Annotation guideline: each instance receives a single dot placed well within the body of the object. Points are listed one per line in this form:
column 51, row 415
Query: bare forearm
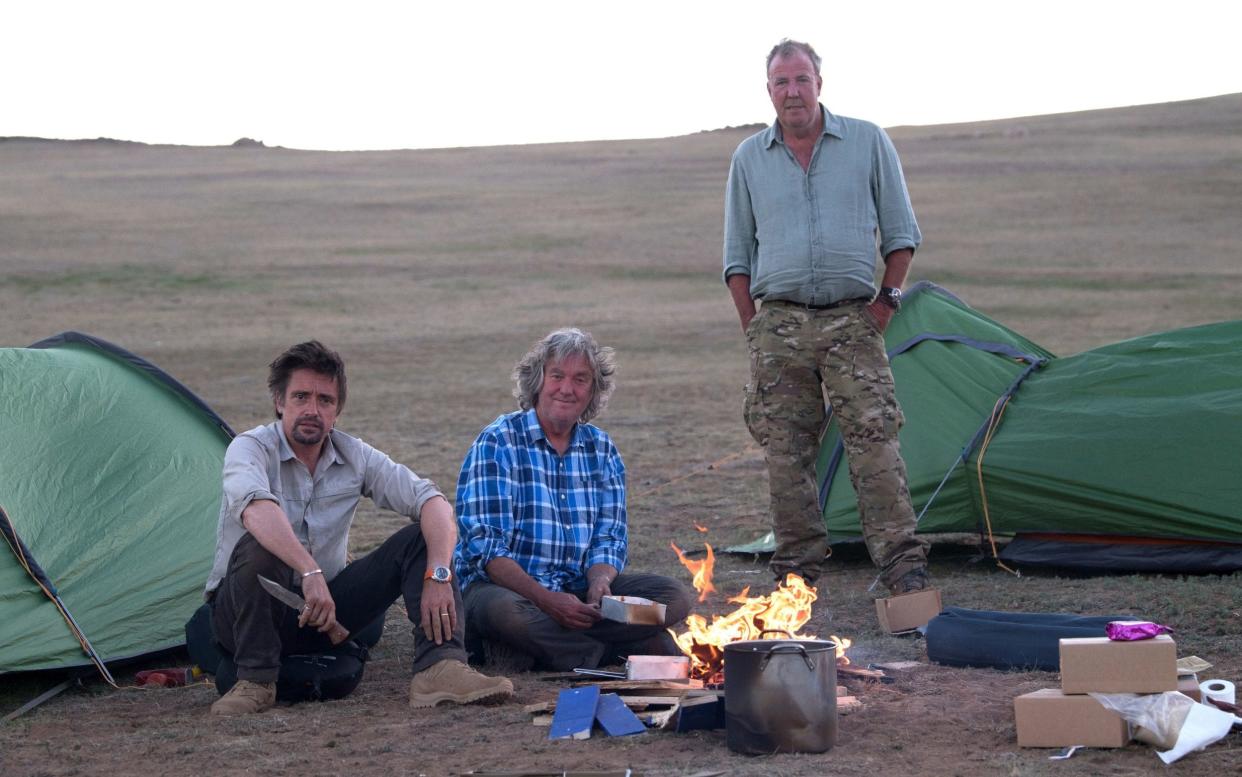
column 270, row 527
column 508, row 573
column 599, row 582
column 565, row 608
column 439, row 531
column 739, row 289
column 896, row 267
column 605, row 572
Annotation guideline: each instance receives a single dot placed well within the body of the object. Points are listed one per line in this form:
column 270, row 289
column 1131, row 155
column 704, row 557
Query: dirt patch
column 933, row 719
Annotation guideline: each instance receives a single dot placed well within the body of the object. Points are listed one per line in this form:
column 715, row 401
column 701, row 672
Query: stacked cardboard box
column 1065, row 716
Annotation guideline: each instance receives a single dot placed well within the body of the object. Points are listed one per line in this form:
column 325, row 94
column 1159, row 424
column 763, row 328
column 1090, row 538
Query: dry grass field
column 433, row 271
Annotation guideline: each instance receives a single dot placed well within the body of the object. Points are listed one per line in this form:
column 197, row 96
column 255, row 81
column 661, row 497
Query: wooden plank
column 575, row 713
column 636, row 703
column 650, row 687
column 702, row 692
column 859, row 672
column 649, row 701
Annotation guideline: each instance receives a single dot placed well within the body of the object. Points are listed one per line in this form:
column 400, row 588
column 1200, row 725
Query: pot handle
column 788, row 647
column 776, row 631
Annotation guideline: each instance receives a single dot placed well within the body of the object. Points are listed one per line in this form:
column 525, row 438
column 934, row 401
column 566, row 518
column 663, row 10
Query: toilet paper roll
column 1220, row 690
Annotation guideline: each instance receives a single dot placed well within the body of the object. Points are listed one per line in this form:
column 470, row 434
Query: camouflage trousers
column 793, row 352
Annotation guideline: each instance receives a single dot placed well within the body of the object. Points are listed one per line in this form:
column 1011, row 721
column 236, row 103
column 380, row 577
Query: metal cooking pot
column 780, row 696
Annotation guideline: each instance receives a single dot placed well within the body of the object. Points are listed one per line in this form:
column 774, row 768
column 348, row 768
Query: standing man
column 807, row 201
column 290, row 491
column 541, row 511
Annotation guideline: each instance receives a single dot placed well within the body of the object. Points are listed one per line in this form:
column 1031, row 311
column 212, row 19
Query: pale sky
column 365, row 74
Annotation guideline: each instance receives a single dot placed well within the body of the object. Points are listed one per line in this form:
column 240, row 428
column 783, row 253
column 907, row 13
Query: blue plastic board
column 615, row 718
column 575, row 713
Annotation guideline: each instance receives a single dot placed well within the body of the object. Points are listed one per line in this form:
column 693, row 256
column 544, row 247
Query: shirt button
column 562, row 496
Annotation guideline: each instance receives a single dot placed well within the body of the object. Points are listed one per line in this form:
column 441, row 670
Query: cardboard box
column 1189, row 685
column 657, row 668
column 632, row 609
column 906, row 612
column 1098, row 664
column 1050, row 718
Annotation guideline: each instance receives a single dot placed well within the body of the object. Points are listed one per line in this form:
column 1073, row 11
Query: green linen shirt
column 811, row 236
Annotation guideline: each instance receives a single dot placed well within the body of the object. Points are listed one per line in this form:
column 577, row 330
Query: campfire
column 787, row 609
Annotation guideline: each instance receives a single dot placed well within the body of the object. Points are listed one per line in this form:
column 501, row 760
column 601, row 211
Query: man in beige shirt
column 290, row 492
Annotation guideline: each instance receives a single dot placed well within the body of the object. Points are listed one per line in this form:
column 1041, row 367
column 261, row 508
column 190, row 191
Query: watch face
column 441, row 574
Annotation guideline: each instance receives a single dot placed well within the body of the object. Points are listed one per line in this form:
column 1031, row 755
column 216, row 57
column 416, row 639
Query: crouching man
column 290, row 491
column 541, row 514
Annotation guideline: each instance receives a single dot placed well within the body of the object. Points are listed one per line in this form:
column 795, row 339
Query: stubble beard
column 314, row 437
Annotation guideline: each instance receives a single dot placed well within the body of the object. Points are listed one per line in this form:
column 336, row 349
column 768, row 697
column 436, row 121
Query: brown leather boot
column 246, row 698
column 453, row 681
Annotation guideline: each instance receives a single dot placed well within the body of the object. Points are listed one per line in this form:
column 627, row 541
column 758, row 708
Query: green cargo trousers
column 793, row 351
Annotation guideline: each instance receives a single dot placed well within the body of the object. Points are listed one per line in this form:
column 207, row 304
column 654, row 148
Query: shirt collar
column 832, row 126
column 536, row 432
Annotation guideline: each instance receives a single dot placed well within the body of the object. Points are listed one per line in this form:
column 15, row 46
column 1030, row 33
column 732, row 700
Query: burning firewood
column 787, row 610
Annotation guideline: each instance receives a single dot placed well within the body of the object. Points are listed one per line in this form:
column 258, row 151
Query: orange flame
column 701, row 570
column 700, row 527
column 787, row 609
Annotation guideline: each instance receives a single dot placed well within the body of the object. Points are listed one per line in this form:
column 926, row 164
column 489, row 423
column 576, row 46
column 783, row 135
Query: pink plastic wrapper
column 1120, row 631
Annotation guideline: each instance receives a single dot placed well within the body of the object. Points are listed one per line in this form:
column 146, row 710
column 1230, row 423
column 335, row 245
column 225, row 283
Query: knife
column 337, row 635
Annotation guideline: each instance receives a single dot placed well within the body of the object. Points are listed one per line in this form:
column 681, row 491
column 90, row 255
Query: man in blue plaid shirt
column 542, row 526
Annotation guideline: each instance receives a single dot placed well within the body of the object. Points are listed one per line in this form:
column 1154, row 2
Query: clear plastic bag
column 1172, row 721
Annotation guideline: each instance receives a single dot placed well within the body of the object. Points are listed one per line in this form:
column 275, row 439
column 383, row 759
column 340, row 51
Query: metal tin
column 780, row 696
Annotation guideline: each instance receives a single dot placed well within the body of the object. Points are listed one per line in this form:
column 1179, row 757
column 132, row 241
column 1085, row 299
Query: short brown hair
column 311, row 355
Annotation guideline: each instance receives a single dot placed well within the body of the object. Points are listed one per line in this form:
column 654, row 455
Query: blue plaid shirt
column 554, row 515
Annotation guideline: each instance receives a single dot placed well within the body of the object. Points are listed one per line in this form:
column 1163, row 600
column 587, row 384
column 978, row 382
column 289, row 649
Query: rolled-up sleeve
column 245, row 477
column 484, row 506
column 740, row 245
column 609, row 539
column 894, row 213
column 394, row 486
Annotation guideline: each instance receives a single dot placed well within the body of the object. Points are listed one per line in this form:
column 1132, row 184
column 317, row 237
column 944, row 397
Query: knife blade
column 337, row 635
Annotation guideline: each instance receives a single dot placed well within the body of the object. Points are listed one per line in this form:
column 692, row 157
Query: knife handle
column 338, row 634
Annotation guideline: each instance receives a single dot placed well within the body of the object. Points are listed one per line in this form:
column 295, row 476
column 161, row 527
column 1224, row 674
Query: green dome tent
column 109, row 492
column 1118, row 458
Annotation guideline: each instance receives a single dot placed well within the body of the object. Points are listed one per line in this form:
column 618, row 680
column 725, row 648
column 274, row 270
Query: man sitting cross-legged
column 542, row 522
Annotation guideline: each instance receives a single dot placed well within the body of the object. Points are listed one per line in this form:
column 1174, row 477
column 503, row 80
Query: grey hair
column 555, row 347
column 787, row 47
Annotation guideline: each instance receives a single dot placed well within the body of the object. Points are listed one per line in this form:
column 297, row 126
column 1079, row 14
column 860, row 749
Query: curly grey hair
column 555, row 347
column 787, row 47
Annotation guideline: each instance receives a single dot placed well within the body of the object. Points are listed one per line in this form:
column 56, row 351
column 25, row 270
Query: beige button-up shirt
column 259, row 464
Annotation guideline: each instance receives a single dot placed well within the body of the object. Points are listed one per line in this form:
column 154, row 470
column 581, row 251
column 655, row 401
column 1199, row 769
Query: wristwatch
column 438, row 574
column 890, row 296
